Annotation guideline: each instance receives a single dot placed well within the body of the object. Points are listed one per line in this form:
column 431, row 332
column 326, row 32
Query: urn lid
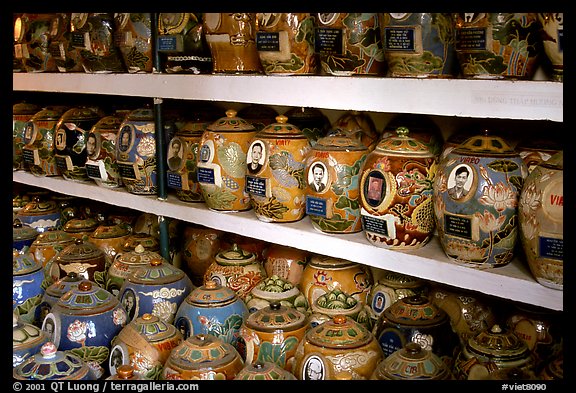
column 421, row 127
column 110, row 123
column 339, row 332
column 258, row 115
column 39, row 206
column 261, row 370
column 230, row 123
column 192, row 128
column 125, row 372
column 412, row 362
column 359, row 123
column 399, row 280
column 80, row 251
column 53, row 236
column 86, row 296
column 80, row 114
column 23, row 232
column 336, row 301
column 498, row 344
column 146, row 240
column 212, row 294
column 138, row 256
column 23, row 262
column 415, row 310
column 149, row 326
column 140, row 114
column 281, row 129
column 274, row 287
column 63, row 285
column 25, row 108
column 157, row 272
column 76, row 225
column 337, row 140
column 554, row 162
column 236, row 256
column 109, row 230
column 25, row 335
column 51, row 364
column 276, row 317
column 48, row 113
column 326, row 262
column 403, row 144
column 486, row 144
column 203, row 351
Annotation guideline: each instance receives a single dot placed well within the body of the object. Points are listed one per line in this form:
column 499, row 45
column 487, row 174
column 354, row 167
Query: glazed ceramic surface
column 136, row 152
column 489, row 351
column 336, row 302
column 421, row 127
column 156, row 289
column 416, row 319
column 340, row 349
column 27, row 290
column 272, row 333
column 419, row 45
column 323, row 274
column 358, row 125
column 182, row 161
column 285, row 43
column 203, row 357
column 285, row 262
column 222, row 163
column 553, row 42
column 22, row 112
column 93, row 34
column 396, row 193
column 27, row 339
column 84, row 258
column 311, row 121
column 71, row 141
column 125, row 264
column 275, row 172
column 237, row 269
column 469, row 313
column 52, row 364
column 231, row 38
column 212, row 309
column 412, row 362
column 84, row 321
column 476, row 195
column 32, row 40
column 274, row 289
column 144, row 344
column 22, row 235
column 81, row 227
column 498, row 45
column 182, row 44
column 541, row 219
column 332, row 201
column 133, row 36
column 125, row 372
column 201, row 244
column 66, row 56
column 41, row 214
column 39, row 150
column 109, row 237
column 263, row 371
column 101, row 158
column 390, row 287
column 349, row 43
column 55, row 291
column 49, row 243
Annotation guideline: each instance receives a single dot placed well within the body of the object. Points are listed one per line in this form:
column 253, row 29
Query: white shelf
column 511, row 282
column 503, row 99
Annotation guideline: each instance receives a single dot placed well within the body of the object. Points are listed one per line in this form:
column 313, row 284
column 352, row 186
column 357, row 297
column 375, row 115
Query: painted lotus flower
column 78, row 331
column 499, row 196
column 488, row 222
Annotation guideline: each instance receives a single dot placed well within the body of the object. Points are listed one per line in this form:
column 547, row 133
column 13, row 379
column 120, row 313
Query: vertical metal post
column 160, row 146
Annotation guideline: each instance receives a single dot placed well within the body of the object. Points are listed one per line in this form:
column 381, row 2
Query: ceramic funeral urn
column 476, row 195
column 396, row 193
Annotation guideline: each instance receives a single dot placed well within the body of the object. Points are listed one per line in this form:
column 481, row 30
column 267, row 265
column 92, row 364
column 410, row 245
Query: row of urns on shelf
column 290, row 312
column 397, row 189
column 474, row 45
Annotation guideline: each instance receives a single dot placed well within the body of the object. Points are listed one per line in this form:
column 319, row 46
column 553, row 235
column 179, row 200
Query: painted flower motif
column 165, row 310
column 141, row 363
column 77, row 332
column 530, row 201
column 489, row 223
column 146, row 146
column 321, row 278
column 466, row 251
column 119, row 316
column 499, row 196
column 383, row 163
column 424, row 340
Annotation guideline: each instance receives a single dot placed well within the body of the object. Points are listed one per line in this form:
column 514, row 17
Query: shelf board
column 512, row 282
column 503, row 99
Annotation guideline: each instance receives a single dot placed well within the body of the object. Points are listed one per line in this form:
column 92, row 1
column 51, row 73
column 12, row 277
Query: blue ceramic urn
column 27, row 340
column 27, row 291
